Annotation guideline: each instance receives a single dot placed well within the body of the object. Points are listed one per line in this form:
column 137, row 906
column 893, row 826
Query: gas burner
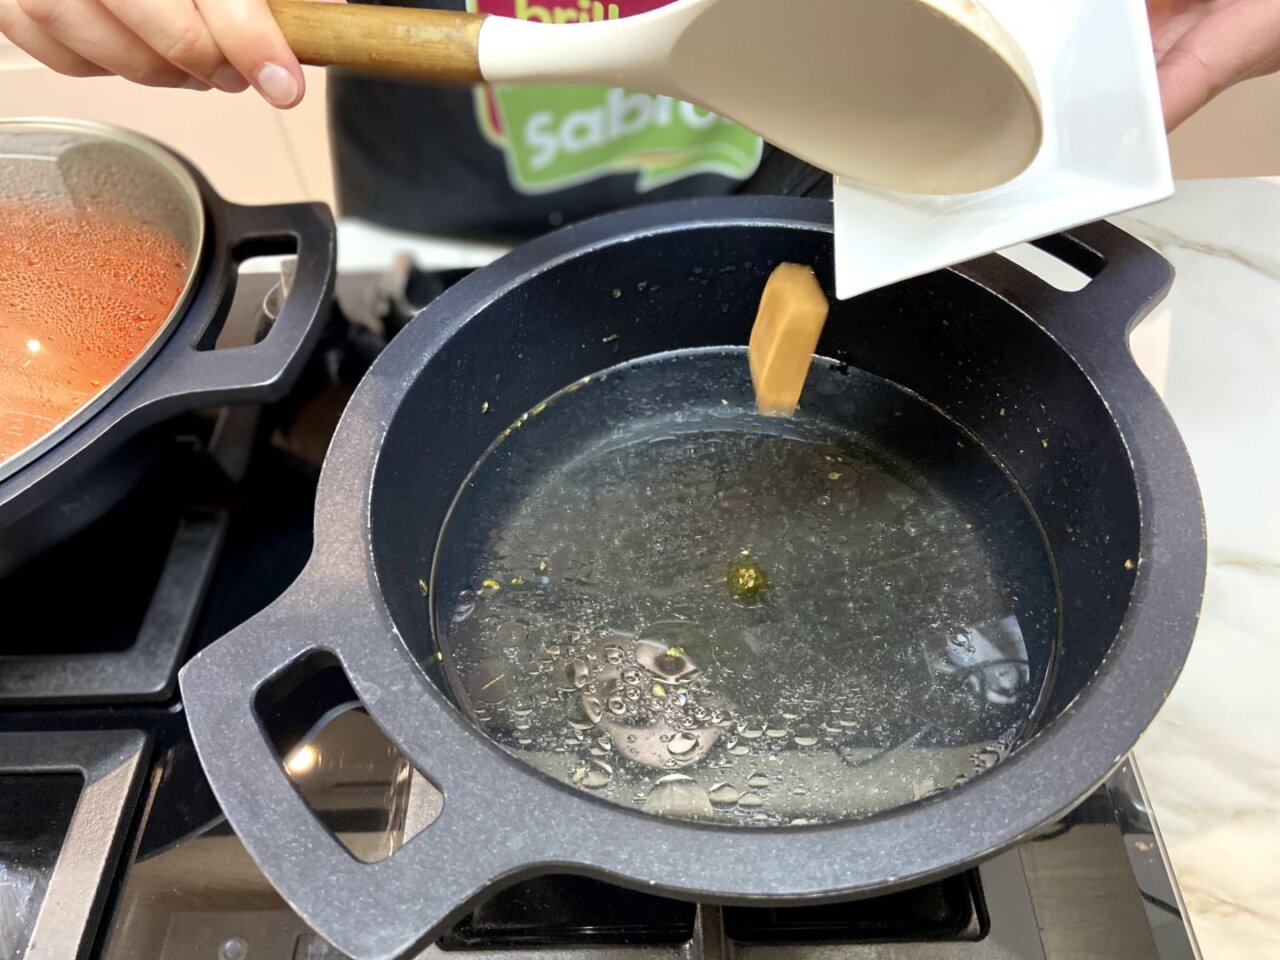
column 65, row 802
column 1094, row 885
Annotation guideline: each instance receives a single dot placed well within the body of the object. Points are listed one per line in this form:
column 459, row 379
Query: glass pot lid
column 100, row 238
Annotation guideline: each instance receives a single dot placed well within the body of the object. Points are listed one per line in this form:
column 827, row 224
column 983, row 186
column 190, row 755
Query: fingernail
column 276, row 84
column 228, row 78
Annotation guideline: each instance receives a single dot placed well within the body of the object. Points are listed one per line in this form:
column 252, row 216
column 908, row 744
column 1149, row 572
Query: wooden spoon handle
column 436, row 45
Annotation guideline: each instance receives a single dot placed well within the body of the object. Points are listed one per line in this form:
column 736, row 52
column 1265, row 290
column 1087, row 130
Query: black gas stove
column 112, row 844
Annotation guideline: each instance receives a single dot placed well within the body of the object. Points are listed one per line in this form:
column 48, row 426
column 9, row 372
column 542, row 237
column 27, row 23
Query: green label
column 562, row 136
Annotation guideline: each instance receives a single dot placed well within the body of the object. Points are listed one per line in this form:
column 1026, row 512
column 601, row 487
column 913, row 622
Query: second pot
column 84, row 465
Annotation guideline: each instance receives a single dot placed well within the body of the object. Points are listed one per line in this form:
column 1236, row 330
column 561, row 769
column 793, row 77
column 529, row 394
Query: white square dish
column 1105, row 151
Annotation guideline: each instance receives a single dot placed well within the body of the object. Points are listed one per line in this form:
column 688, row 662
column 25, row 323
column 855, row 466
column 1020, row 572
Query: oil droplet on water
column 592, row 708
column 593, row 775
column 749, row 801
column 490, row 683
column 574, row 674
column 678, row 796
column 682, row 744
column 465, row 606
column 805, row 736
column 613, row 654
column 751, row 728
column 724, row 795
column 987, row 758
column 758, row 780
column 666, row 663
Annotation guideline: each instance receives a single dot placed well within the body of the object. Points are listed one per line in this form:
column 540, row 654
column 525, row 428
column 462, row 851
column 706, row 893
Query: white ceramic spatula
column 1104, row 151
column 919, row 96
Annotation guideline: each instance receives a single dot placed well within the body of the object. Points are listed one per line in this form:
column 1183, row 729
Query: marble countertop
column 1211, row 762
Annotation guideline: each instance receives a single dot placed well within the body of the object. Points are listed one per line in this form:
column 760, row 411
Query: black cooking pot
column 78, row 470
column 993, row 347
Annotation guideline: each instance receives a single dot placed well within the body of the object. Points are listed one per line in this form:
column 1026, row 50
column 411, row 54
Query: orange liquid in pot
column 81, row 293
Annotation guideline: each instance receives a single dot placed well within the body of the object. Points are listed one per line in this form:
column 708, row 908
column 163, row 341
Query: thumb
column 252, row 42
column 1187, row 83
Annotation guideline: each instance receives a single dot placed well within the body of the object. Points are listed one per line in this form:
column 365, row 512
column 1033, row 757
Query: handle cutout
column 1059, row 261
column 355, row 780
column 260, row 266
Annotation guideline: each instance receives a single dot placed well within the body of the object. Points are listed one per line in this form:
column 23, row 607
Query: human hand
column 196, row 44
column 1205, row 46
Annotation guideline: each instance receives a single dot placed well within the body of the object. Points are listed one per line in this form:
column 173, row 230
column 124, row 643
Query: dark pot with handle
column 1040, row 380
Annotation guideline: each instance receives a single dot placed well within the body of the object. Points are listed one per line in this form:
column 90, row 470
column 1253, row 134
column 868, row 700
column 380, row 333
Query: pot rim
column 196, row 241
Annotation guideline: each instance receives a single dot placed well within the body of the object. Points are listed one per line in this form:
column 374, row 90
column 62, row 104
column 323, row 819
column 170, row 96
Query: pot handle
column 181, row 379
column 1127, row 280
column 386, row 910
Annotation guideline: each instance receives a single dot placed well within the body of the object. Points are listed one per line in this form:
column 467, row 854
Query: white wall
column 1238, row 135
column 250, row 152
